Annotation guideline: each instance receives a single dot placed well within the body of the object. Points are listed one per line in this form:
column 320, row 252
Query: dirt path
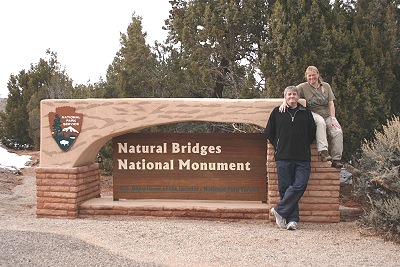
column 18, row 189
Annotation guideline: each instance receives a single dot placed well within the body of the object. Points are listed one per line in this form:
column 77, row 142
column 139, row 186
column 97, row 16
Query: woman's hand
column 283, row 106
column 335, row 123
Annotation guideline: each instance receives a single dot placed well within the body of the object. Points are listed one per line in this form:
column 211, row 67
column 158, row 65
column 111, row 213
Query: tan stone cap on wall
column 104, row 119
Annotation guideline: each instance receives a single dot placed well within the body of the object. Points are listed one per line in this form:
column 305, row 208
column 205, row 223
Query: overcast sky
column 83, row 33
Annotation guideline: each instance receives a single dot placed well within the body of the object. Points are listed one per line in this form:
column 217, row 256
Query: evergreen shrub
column 378, row 186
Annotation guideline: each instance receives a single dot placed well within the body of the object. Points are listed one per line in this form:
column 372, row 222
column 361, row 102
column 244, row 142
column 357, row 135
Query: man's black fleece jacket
column 291, row 136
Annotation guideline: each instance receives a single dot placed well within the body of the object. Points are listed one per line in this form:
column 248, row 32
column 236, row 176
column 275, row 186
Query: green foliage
column 215, row 39
column 21, row 119
column 378, row 186
column 15, row 120
column 355, row 47
column 297, row 36
column 132, row 73
column 105, row 154
column 96, row 90
column 173, row 79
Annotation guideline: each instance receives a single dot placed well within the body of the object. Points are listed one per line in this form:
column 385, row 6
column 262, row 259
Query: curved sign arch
column 103, row 119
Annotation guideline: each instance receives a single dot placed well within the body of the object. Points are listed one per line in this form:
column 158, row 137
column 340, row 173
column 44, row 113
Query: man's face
column 291, row 98
column 312, row 77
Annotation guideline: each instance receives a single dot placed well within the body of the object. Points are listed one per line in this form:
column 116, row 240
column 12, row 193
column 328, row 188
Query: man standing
column 291, row 134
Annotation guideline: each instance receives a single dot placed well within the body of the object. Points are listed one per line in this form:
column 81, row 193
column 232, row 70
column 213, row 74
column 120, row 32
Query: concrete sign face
column 208, row 166
column 65, row 126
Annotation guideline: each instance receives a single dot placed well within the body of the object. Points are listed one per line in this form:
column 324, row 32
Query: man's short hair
column 290, row 88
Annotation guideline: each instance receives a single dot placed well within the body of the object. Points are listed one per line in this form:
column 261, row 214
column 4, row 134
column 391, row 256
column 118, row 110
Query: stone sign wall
column 69, row 177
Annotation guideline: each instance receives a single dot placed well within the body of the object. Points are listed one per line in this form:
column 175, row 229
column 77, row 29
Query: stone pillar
column 320, row 202
column 60, row 191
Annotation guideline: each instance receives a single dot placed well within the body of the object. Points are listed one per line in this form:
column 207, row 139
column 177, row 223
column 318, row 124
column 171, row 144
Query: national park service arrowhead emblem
column 65, row 126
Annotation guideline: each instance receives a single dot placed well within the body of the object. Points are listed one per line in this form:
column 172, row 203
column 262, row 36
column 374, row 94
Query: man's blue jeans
column 293, row 178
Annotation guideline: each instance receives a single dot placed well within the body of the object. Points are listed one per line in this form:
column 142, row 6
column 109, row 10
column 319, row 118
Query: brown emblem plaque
column 65, row 126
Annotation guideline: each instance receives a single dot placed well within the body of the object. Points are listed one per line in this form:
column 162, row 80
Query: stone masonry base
column 182, row 209
column 59, row 192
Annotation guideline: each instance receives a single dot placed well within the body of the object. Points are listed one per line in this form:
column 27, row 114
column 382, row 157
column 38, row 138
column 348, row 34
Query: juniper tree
column 21, row 120
column 133, row 70
column 216, row 40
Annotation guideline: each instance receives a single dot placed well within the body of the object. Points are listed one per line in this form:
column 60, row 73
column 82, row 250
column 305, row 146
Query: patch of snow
column 12, row 161
column 345, row 177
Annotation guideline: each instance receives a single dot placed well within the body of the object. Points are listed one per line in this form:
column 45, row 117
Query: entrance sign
column 207, row 166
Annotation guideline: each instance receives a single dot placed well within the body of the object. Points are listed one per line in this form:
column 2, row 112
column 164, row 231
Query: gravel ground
column 29, row 241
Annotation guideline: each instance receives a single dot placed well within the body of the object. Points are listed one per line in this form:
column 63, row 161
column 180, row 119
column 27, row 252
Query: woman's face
column 312, row 77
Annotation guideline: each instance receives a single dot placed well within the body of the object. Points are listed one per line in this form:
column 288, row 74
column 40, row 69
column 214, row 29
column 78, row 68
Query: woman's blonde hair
column 311, row 69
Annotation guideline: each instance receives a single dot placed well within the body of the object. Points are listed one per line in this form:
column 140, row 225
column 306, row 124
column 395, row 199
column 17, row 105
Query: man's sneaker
column 325, row 156
column 292, row 226
column 337, row 164
column 280, row 221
